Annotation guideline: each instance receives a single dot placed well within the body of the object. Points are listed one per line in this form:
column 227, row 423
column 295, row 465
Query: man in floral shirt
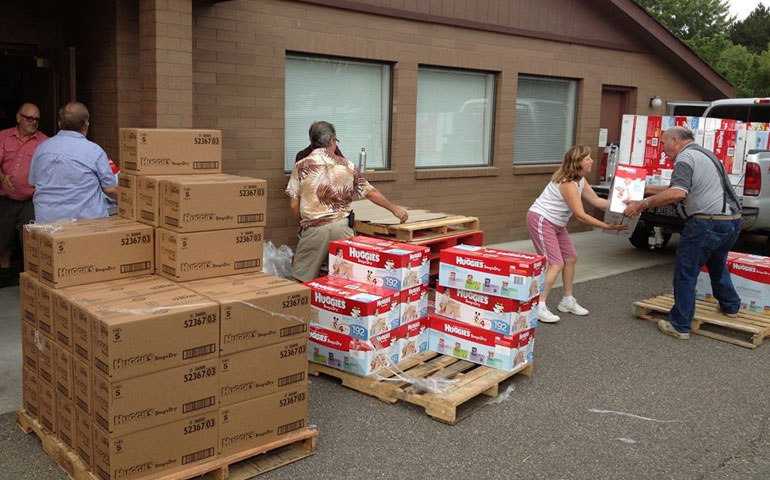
column 321, row 188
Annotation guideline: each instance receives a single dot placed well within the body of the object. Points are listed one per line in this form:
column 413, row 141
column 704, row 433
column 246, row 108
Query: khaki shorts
column 313, row 248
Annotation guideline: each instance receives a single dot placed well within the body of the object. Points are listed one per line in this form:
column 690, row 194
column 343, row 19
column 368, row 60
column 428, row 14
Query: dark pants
column 14, row 214
column 703, row 242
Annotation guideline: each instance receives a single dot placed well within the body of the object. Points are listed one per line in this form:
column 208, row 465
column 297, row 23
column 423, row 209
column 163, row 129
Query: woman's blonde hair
column 570, row 169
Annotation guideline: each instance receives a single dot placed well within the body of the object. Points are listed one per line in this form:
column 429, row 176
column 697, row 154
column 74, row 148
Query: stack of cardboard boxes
column 371, row 311
column 750, row 275
column 137, row 373
column 729, row 140
column 486, row 306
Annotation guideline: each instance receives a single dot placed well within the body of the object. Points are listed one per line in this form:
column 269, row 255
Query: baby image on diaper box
column 414, row 303
column 378, row 262
column 344, row 352
column 352, row 308
column 499, row 314
column 412, row 337
column 627, row 185
column 460, row 340
column 502, row 273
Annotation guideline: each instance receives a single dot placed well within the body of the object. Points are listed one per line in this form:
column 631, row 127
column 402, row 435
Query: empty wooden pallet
column 456, row 400
column 747, row 330
column 419, row 231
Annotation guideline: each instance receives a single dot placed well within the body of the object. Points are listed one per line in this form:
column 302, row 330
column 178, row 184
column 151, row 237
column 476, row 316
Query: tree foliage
column 736, row 49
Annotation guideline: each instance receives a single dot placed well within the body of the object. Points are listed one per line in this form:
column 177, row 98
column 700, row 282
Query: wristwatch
column 647, row 203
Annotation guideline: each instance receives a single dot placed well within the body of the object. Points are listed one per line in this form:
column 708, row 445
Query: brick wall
column 239, row 51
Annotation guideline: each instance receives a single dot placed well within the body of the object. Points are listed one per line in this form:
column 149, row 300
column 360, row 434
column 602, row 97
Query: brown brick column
column 166, row 68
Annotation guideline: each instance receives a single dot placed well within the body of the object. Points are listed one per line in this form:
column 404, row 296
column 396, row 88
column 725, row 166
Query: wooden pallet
column 747, row 330
column 419, row 231
column 239, row 466
column 458, row 401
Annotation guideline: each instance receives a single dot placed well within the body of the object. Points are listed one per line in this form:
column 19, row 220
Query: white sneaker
column 545, row 316
column 571, row 307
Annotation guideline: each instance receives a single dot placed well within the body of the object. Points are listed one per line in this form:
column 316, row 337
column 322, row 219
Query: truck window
column 688, row 110
column 760, row 113
column 734, row 112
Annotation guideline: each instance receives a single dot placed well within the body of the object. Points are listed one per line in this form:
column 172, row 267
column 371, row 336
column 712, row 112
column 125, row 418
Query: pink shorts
column 551, row 241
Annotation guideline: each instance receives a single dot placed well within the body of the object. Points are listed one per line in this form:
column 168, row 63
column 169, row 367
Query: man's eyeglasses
column 30, row 119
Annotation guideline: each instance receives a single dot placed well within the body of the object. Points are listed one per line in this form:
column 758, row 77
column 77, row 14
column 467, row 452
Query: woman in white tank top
column 547, row 224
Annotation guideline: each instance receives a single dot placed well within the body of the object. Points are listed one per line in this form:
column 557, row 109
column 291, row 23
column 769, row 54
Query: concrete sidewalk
column 602, row 255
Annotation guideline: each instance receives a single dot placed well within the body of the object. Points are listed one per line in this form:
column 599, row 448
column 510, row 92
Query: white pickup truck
column 656, row 225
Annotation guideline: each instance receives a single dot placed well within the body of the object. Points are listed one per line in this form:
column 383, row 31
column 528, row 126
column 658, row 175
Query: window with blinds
column 545, row 119
column 352, row 95
column 455, row 112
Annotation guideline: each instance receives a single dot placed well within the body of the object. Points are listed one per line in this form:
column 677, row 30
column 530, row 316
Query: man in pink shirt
column 17, row 144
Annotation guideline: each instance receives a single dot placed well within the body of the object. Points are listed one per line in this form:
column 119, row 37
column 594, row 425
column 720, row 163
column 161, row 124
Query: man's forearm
column 666, row 197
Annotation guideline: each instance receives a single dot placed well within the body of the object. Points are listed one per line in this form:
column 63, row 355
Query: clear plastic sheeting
column 631, row 415
column 417, row 384
column 627, row 441
column 277, row 261
column 503, row 397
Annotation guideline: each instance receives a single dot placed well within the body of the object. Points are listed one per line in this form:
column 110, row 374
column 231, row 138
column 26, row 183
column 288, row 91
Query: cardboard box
column 352, row 308
column 378, row 262
column 45, row 358
column 165, row 448
column 31, row 251
column 83, row 296
column 262, row 371
column 62, row 363
column 84, row 432
column 95, row 254
column 44, row 309
column 30, row 391
column 29, row 348
column 413, row 303
column 193, row 204
column 133, row 404
column 47, row 406
column 627, row 185
column 148, row 198
column 158, row 151
column 127, row 195
column 412, row 338
column 750, row 275
column 257, row 422
column 189, row 256
column 62, row 319
column 81, row 383
column 65, row 420
column 498, row 314
column 27, row 298
column 360, row 357
column 141, row 335
column 502, row 273
column 256, row 310
column 474, row 344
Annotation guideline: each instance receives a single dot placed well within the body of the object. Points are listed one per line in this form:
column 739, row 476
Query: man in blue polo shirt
column 69, row 172
column 700, row 187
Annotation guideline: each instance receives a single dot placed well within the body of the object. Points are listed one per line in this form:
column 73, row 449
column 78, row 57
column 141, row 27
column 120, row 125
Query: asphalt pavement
column 610, row 398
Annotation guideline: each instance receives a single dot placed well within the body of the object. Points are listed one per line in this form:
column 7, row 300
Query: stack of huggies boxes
column 750, row 275
column 140, row 374
column 371, row 311
column 486, row 306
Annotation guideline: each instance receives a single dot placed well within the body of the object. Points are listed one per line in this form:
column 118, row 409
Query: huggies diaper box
column 414, row 303
column 484, row 347
column 378, row 262
column 751, row 278
column 499, row 314
column 412, row 338
column 344, row 352
column 351, row 308
column 496, row 272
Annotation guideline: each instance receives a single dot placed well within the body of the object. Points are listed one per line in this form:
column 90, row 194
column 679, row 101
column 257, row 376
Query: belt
column 717, row 217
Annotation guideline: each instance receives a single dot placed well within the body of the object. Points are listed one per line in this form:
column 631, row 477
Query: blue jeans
column 703, row 242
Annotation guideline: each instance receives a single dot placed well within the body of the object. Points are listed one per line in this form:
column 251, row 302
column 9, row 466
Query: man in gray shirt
column 700, row 186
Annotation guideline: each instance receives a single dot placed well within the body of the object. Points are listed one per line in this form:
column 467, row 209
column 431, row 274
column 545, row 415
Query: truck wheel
column 641, row 237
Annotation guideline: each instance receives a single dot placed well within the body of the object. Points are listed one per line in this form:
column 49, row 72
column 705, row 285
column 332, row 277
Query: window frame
column 387, row 159
column 493, row 116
